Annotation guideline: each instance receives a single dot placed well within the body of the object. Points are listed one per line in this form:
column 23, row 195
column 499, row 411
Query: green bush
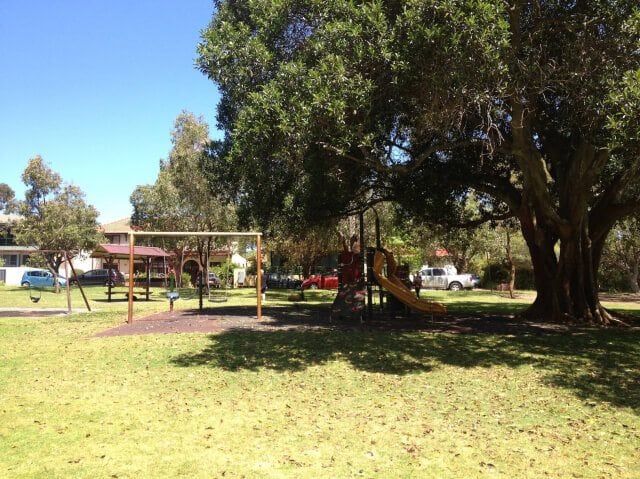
column 185, row 280
column 613, row 280
column 525, row 279
column 497, row 273
column 494, row 274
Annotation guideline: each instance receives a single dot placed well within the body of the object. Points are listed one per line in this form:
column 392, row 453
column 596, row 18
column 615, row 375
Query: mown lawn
column 322, row 404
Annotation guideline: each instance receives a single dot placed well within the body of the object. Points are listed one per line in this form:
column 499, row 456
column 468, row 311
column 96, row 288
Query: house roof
column 122, row 225
column 121, row 251
column 18, row 249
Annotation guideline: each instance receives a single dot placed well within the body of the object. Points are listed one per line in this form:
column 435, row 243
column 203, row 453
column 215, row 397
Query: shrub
column 185, row 280
column 497, row 273
column 613, row 280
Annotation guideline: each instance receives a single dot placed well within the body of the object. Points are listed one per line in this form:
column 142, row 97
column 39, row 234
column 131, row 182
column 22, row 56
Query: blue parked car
column 40, row 278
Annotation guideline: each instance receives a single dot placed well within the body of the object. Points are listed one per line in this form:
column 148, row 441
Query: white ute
column 439, row 278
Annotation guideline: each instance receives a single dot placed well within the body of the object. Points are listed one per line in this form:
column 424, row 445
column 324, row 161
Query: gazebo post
column 148, row 277
column 131, row 243
column 110, row 268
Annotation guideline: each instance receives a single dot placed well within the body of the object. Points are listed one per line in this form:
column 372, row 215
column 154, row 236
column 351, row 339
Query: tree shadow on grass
column 600, row 365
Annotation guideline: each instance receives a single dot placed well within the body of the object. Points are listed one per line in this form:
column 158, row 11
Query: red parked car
column 321, row 282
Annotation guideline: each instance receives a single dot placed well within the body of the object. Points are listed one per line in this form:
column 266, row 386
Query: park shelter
column 144, row 254
column 112, row 253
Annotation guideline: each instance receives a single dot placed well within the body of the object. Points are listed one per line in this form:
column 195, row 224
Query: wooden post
column 84, row 296
column 148, row 278
column 131, row 243
column 259, row 276
column 109, row 270
column 66, row 275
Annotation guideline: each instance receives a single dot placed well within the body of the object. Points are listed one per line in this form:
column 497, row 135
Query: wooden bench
column 126, row 293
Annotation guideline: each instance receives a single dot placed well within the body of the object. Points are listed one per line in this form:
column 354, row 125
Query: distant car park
column 40, row 278
column 321, row 282
column 281, row 281
column 214, row 281
column 100, row 276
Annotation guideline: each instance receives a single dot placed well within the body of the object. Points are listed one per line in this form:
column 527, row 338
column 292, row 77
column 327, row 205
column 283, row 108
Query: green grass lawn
column 320, row 404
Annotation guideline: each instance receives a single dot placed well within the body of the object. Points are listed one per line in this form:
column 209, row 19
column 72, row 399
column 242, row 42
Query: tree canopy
column 7, row 197
column 533, row 107
column 55, row 216
column 181, row 198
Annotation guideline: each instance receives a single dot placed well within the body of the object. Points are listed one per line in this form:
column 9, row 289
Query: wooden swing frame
column 67, row 264
column 258, row 236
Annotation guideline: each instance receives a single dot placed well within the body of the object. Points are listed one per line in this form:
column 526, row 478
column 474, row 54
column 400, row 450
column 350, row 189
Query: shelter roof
column 121, row 251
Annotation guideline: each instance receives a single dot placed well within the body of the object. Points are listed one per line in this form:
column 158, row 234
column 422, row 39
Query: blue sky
column 94, row 86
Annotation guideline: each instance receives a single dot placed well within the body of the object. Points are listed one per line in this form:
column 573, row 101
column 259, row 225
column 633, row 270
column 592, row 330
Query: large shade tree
column 533, row 107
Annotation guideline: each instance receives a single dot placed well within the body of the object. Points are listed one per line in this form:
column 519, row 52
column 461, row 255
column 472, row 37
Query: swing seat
column 34, row 294
column 218, row 296
column 172, row 295
column 187, row 293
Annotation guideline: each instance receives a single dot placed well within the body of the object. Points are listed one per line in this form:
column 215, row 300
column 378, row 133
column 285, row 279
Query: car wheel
column 455, row 286
column 26, row 284
column 109, row 283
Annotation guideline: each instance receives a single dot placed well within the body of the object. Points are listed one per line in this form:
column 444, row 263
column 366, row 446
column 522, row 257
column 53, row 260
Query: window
column 10, row 259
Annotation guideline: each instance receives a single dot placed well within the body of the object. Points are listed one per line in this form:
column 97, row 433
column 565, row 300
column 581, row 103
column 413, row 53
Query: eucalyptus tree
column 181, row 198
column 54, row 216
column 7, row 197
column 532, row 107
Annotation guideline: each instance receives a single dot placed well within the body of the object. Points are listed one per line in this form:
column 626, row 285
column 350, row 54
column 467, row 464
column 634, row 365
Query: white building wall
column 14, row 275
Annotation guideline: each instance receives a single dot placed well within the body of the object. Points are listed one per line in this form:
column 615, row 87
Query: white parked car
column 438, row 278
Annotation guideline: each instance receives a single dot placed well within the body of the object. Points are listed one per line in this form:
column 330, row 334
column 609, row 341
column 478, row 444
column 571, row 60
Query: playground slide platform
column 401, row 292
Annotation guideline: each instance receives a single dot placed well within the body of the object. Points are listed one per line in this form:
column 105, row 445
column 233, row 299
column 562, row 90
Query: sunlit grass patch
column 318, row 403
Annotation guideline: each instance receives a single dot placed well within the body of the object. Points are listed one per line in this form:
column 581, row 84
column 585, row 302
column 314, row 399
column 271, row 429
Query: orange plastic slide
column 398, row 289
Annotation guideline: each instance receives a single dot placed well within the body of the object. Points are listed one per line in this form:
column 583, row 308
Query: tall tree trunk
column 566, row 283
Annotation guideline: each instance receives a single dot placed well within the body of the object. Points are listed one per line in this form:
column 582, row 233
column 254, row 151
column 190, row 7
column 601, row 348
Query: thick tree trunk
column 566, row 282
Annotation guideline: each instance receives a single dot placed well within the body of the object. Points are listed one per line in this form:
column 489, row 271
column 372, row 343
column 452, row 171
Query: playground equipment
column 221, row 294
column 398, row 289
column 34, row 294
column 134, row 234
column 354, row 285
column 349, row 301
column 172, row 295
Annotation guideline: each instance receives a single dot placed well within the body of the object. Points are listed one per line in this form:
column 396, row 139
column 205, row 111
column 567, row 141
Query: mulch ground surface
column 298, row 317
